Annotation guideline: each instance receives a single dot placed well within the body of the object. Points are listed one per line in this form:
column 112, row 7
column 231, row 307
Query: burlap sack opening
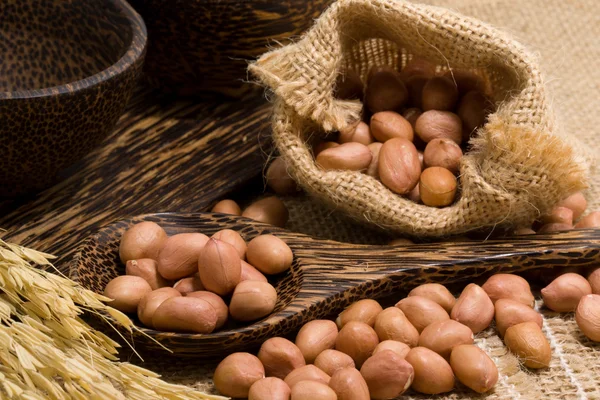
column 519, row 165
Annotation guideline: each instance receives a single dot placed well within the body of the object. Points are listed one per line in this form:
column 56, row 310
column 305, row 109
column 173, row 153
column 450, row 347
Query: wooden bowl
column 326, row 276
column 67, row 70
column 203, row 45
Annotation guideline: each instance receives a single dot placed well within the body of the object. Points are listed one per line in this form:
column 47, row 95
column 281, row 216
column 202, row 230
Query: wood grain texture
column 327, row 276
column 200, row 45
column 164, row 155
column 67, row 71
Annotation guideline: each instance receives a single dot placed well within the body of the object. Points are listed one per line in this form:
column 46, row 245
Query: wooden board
column 164, row 155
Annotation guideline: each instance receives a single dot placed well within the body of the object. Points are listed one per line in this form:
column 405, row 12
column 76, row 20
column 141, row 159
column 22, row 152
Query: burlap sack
column 518, row 166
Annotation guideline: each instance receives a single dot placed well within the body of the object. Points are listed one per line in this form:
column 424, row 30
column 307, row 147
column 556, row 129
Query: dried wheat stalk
column 48, row 352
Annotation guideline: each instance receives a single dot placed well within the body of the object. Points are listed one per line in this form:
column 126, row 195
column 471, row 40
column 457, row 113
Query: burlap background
column 567, row 35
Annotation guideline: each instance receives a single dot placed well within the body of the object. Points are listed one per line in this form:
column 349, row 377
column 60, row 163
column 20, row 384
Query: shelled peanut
column 269, row 210
column 568, row 214
column 418, row 124
column 185, row 285
column 372, row 353
column 426, row 342
column 573, row 292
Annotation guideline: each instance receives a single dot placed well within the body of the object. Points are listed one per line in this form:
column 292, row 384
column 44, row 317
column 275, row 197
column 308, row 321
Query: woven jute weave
column 566, row 35
column 520, row 163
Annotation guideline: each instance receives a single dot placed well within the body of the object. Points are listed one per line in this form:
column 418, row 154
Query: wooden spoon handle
column 339, row 274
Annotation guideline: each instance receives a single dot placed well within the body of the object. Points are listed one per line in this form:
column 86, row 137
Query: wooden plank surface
column 164, row 155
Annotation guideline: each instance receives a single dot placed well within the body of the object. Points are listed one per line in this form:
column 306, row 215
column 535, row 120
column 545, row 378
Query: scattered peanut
column 437, row 293
column 385, row 90
column 306, row 373
column 555, row 227
column 252, row 300
column 148, row 269
column 443, row 336
column 422, row 311
column 227, row 207
column 269, row 389
column 279, row 356
column 465, row 80
column 418, row 66
column 189, row 284
column 388, row 125
column 315, row 337
column 472, row 110
column 348, row 156
column 127, row 292
column 528, row 342
column 348, row 384
column 439, row 93
column 269, row 210
column 594, row 280
column 278, row 178
column 143, row 240
column 437, row 187
column 587, row 316
column 392, row 324
column 311, row 390
column 435, row 124
column 249, row 273
column 591, row 220
column 269, row 254
column 185, row 314
column 151, row 301
column 576, row 202
column 363, row 311
column 387, row 375
column 237, row 373
column 473, row 368
column 433, row 374
column 329, row 361
column 473, row 308
column 358, row 340
column 215, row 301
column 443, row 153
column 399, row 348
column 510, row 312
column 399, row 166
column 234, row 239
column 358, row 132
column 563, row 293
column 508, row 286
column 178, row 256
column 219, row 267
column 559, row 215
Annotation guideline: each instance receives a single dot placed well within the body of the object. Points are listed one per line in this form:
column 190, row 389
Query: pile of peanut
column 425, row 342
column 419, row 124
column 182, row 283
column 565, row 216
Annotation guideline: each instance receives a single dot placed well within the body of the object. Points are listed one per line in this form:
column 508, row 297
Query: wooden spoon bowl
column 327, row 276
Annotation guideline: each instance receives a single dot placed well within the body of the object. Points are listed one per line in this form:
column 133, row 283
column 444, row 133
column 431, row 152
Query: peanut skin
column 473, row 308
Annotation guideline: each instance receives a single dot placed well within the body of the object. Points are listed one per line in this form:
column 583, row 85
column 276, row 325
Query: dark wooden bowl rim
column 135, row 50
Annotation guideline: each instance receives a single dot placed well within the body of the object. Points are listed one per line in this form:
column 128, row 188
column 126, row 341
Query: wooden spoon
column 327, row 276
